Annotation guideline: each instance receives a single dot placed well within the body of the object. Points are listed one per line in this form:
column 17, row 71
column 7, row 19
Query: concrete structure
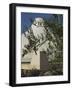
column 39, row 62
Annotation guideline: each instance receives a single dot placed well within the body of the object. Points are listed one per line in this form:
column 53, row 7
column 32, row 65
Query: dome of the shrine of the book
column 39, row 21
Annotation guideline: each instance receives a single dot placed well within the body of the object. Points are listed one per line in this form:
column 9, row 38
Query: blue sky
column 25, row 19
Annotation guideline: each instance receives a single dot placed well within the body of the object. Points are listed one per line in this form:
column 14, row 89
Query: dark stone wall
column 43, row 61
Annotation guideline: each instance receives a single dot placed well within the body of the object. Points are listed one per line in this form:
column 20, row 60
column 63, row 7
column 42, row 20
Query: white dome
column 38, row 28
column 24, row 41
column 39, row 19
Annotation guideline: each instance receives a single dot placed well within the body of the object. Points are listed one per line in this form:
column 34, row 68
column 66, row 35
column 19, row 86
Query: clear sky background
column 26, row 19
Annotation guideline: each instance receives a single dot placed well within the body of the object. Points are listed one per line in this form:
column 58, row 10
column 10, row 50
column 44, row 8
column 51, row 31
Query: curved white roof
column 39, row 19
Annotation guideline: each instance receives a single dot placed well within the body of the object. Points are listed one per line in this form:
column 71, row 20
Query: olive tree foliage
column 32, row 42
column 55, row 35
